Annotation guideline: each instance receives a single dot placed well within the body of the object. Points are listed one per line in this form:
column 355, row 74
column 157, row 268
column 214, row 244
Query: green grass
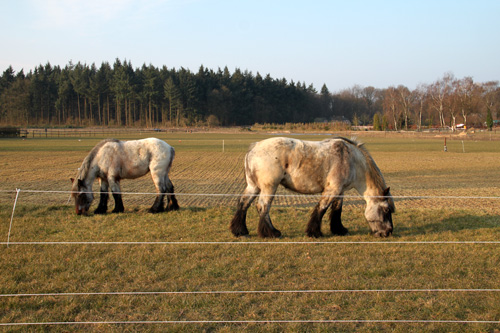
column 411, row 167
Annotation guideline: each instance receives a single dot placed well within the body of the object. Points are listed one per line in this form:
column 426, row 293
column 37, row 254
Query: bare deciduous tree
column 439, row 92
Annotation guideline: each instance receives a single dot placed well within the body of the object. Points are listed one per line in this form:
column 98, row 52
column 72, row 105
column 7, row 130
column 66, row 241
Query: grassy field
column 123, row 268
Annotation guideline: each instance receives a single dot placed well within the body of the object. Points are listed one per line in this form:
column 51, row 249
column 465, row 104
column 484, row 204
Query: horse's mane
column 85, row 167
column 373, row 170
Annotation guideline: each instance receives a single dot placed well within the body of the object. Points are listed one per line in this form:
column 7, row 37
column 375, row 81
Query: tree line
column 120, row 95
column 445, row 103
column 148, row 96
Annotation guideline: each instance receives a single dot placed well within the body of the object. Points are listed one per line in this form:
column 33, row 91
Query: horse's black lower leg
column 171, row 200
column 172, row 203
column 103, row 203
column 238, row 225
column 266, row 228
column 336, row 226
column 118, row 203
column 314, row 225
column 158, row 204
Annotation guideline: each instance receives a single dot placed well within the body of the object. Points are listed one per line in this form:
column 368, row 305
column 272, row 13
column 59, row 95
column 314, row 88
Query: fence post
column 12, row 216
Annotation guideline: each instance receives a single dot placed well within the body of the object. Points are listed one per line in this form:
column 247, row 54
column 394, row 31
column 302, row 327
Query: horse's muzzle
column 82, row 211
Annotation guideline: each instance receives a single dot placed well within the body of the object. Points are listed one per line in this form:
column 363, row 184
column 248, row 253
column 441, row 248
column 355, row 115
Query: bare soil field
column 417, row 169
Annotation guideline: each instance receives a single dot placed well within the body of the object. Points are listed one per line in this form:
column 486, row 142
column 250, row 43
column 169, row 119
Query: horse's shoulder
column 110, row 141
column 107, row 144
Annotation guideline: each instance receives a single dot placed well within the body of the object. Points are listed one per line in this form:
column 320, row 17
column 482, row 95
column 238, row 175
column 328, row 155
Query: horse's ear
column 390, row 200
column 387, row 191
column 72, row 180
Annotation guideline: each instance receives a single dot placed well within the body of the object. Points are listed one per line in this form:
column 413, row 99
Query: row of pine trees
column 121, row 95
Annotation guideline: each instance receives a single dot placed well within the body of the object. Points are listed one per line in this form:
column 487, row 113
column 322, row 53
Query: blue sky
column 337, row 43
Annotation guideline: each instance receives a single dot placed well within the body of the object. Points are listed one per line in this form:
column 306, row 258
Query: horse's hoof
column 242, row 235
column 315, row 234
column 340, row 232
column 99, row 212
column 239, row 233
column 382, row 234
column 173, row 206
column 115, row 211
column 268, row 232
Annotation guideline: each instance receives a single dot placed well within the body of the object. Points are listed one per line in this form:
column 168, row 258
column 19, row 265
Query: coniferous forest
column 121, row 95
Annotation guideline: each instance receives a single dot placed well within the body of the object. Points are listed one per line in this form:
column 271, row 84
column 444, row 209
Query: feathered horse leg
column 117, row 196
column 103, row 201
column 336, row 226
column 171, row 200
column 238, row 224
column 266, row 228
column 314, row 226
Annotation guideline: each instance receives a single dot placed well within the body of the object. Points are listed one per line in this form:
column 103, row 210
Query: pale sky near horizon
column 337, row 43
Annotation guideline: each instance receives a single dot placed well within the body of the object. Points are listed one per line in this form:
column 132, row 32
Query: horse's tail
column 247, row 156
column 172, row 201
column 172, row 155
column 251, row 146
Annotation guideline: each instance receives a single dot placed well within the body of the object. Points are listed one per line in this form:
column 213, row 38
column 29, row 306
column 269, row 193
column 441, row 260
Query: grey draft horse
column 329, row 167
column 112, row 160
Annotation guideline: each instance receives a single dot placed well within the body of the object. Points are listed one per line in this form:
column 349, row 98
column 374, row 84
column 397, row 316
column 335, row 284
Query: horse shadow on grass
column 459, row 223
column 451, row 224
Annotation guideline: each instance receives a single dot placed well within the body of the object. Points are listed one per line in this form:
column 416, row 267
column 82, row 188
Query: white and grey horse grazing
column 329, row 167
column 112, row 160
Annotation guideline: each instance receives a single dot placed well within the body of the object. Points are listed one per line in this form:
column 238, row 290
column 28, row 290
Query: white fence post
column 12, row 216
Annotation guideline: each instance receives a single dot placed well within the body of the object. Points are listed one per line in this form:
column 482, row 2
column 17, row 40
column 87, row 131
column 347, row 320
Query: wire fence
column 355, row 199
column 260, row 322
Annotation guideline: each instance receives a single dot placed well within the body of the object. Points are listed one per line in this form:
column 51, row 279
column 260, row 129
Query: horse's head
column 83, row 197
column 378, row 213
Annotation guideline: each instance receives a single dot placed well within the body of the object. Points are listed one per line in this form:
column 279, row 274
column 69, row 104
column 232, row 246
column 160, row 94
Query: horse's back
column 301, row 166
column 281, row 148
column 154, row 147
column 134, row 158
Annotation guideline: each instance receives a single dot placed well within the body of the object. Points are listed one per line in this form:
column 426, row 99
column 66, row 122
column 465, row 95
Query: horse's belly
column 305, row 186
column 136, row 172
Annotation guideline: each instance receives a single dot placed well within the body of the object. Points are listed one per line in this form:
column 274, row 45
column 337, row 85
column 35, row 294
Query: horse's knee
column 263, row 207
